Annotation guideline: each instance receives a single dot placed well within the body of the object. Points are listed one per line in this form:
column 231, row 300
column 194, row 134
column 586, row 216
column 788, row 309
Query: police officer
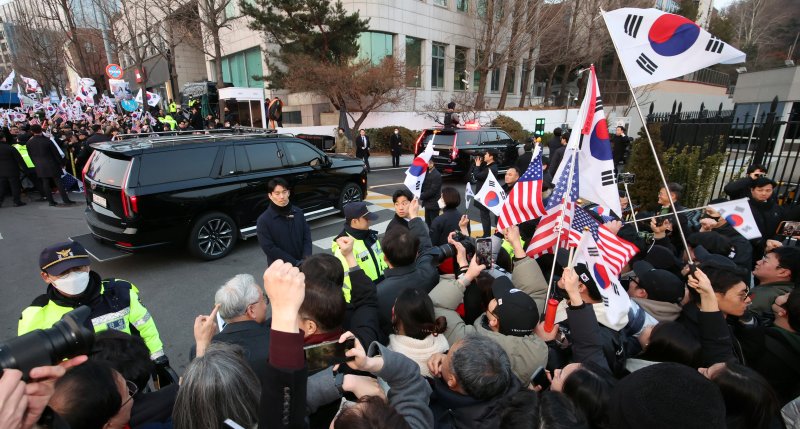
column 366, row 247
column 172, row 108
column 167, row 121
column 71, row 283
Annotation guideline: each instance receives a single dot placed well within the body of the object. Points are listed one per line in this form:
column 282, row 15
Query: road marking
column 388, row 184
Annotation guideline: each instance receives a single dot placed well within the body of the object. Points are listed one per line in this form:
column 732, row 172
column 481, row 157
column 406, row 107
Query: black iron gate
column 764, row 140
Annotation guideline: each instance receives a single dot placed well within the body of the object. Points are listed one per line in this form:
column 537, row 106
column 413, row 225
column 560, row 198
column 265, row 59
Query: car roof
column 135, row 146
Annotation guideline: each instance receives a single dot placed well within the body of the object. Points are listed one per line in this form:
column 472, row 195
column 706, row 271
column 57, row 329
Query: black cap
column 516, row 310
column 60, row 257
column 359, row 209
column 662, row 258
column 661, row 285
column 762, row 181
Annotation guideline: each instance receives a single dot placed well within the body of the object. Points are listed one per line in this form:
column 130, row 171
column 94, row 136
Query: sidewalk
column 385, row 161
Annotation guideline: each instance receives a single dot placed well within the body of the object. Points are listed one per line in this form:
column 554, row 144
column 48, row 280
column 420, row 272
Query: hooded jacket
column 526, row 353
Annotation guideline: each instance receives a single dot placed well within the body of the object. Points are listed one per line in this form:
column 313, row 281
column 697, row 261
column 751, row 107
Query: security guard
column 172, row 108
column 114, row 302
column 366, row 247
column 167, row 121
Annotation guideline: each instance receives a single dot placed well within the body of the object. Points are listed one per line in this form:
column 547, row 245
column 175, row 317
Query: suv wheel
column 213, row 236
column 350, row 193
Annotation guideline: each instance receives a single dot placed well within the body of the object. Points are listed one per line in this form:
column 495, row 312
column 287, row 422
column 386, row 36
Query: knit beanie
column 667, row 396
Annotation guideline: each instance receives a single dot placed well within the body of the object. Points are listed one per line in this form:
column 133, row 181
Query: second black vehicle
column 207, row 191
column 456, row 148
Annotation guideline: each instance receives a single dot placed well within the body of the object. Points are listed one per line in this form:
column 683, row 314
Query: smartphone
column 322, row 355
column 539, row 378
column 483, row 251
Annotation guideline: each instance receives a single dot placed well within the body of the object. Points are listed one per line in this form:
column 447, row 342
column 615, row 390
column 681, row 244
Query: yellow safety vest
column 23, row 150
column 173, row 108
column 167, row 119
column 373, row 268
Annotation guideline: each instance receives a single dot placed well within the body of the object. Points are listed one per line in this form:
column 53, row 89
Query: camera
column 628, row 178
column 449, row 251
column 68, row 337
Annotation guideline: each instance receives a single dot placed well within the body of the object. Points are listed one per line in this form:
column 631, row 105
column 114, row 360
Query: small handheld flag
column 738, row 215
column 491, row 194
column 415, row 174
column 524, row 202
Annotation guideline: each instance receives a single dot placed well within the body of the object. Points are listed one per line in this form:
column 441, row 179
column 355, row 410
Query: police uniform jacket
column 115, row 305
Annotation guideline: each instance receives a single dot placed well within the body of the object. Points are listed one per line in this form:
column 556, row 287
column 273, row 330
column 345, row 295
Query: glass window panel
column 437, row 65
column 413, row 62
column 462, row 5
column 460, row 67
column 253, row 67
column 440, row 2
column 230, row 9
column 510, row 78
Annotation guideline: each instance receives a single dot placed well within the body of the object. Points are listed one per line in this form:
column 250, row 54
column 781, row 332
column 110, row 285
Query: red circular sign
column 114, row 71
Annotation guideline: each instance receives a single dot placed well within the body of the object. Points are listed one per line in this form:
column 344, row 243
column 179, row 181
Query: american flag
column 524, row 202
column 559, row 208
column 615, row 251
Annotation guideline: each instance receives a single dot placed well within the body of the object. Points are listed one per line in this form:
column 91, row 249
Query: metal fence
column 749, row 140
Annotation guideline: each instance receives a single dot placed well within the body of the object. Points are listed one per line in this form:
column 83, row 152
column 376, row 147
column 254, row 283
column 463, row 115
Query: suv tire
column 350, row 193
column 213, row 236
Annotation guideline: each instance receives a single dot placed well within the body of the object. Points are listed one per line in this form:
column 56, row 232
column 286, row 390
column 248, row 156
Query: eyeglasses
column 266, row 300
column 133, row 389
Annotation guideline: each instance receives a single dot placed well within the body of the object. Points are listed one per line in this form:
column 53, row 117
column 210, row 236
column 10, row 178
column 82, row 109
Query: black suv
column 457, row 148
column 207, row 190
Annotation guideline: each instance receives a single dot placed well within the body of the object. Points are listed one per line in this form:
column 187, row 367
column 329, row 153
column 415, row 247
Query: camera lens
column 67, row 338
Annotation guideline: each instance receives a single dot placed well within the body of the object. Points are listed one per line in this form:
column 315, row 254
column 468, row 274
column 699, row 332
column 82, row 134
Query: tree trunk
column 504, row 89
column 218, row 58
column 548, row 89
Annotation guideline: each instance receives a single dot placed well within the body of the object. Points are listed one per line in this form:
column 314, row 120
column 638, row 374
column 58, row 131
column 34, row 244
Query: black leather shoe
column 19, row 204
column 53, row 204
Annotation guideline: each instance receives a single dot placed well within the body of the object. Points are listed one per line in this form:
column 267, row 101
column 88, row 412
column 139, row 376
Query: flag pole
column 652, row 146
column 560, row 225
column 630, row 204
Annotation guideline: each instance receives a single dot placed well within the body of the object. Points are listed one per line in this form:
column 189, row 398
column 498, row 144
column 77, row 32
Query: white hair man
column 242, row 304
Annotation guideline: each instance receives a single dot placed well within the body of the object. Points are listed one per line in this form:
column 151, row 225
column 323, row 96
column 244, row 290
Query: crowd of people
column 424, row 336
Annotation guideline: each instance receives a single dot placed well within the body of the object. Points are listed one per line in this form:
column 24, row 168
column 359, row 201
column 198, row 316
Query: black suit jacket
column 252, row 337
column 396, row 143
column 11, row 161
column 45, row 156
column 359, row 142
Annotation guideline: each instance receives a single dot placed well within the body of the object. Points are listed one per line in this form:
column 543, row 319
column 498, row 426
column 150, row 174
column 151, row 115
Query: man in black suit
column 396, row 146
column 431, row 192
column 47, row 161
column 11, row 164
column 362, row 148
column 241, row 303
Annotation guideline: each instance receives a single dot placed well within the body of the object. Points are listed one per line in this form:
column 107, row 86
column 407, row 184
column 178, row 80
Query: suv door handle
column 302, row 176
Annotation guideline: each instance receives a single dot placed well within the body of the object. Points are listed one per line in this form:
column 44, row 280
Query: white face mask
column 73, row 283
column 397, row 132
column 441, row 203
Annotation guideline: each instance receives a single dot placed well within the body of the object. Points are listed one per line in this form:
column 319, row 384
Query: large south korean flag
column 654, row 46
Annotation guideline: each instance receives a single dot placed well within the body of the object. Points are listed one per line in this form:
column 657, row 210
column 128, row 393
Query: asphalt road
column 174, row 286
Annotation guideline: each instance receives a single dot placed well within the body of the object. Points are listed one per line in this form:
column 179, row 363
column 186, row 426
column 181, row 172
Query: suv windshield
column 107, row 170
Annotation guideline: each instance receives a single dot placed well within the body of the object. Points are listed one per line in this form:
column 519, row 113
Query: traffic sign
column 114, row 71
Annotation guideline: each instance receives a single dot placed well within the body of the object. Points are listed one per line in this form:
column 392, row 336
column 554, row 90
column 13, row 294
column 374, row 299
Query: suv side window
column 228, row 162
column 300, row 153
column 176, row 165
column 505, row 138
column 468, row 138
column 263, row 156
column 489, row 137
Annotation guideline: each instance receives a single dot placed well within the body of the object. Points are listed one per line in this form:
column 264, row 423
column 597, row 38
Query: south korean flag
column 654, row 46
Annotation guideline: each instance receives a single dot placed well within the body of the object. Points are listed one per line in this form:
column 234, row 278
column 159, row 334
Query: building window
column 462, row 5
column 442, row 3
column 230, row 9
column 525, row 73
column 495, row 84
column 241, row 67
column 413, row 62
column 481, row 7
column 437, row 65
column 460, row 78
column 374, row 46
